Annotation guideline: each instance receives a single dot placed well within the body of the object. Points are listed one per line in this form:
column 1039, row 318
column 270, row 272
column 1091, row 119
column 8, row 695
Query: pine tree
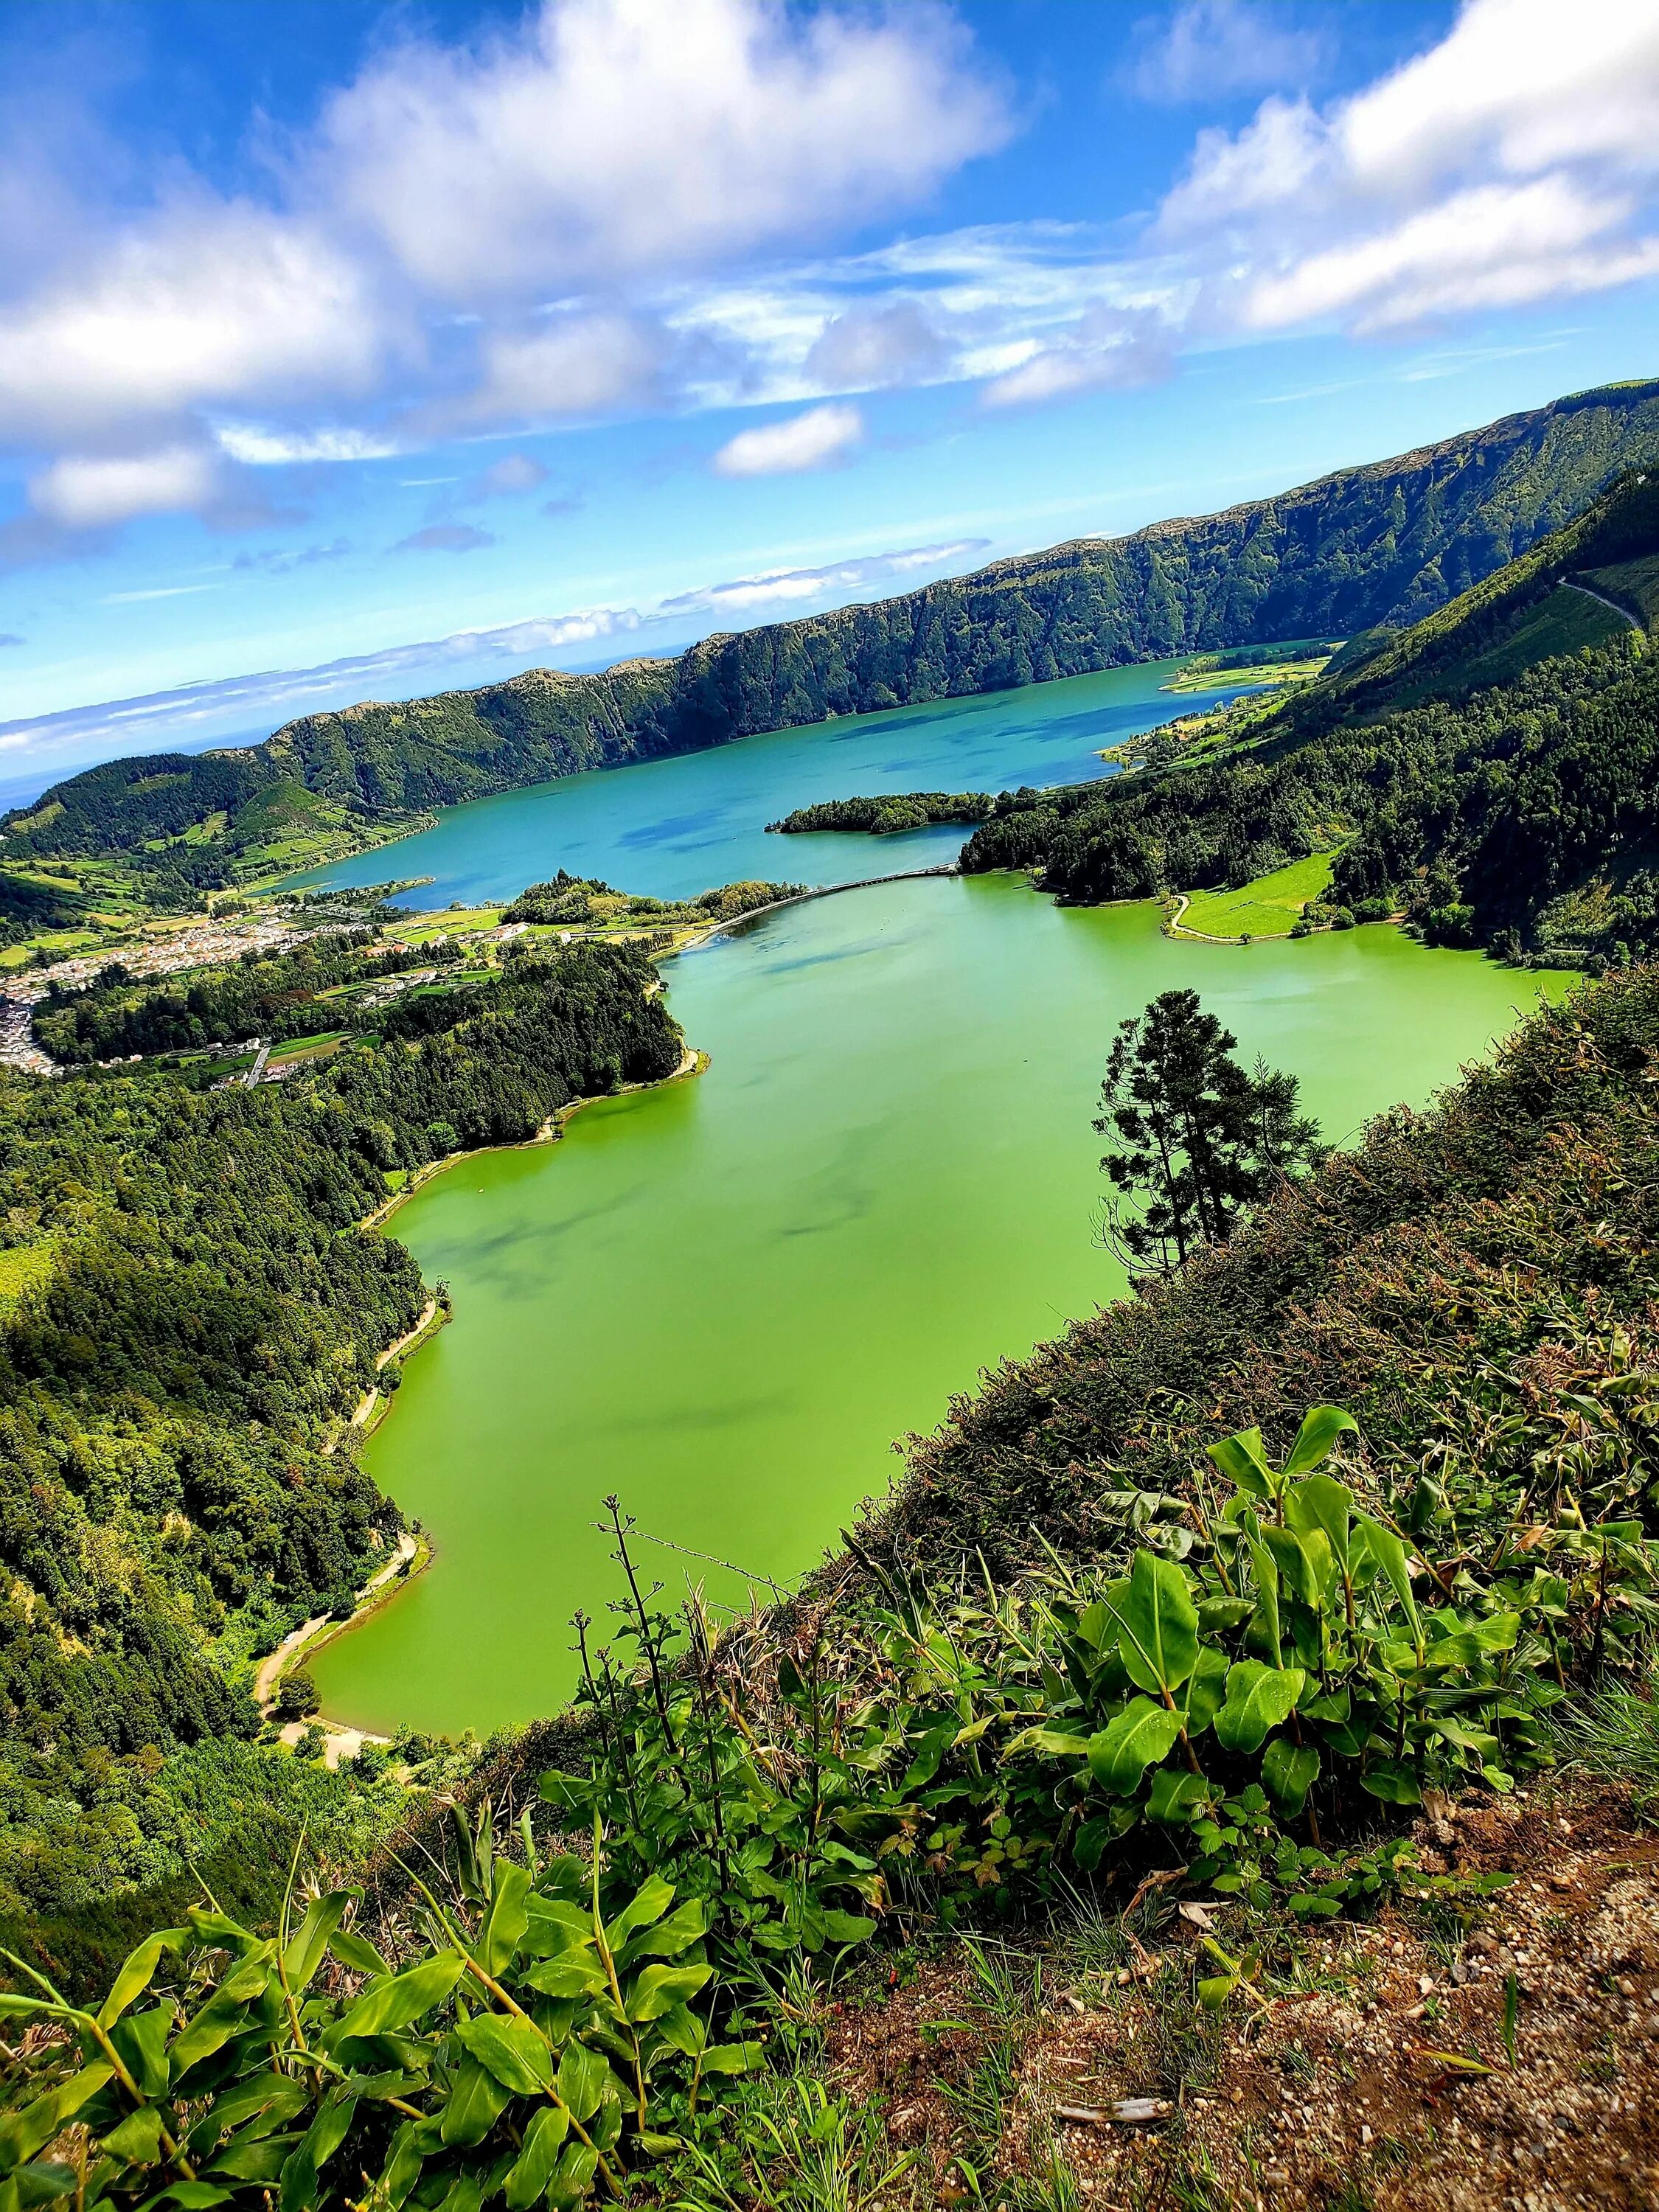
column 1198, row 1138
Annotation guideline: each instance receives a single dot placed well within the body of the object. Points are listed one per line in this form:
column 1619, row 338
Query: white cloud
column 611, row 139
column 576, row 365
column 811, row 441
column 261, row 447
column 1504, row 166
column 203, row 307
column 90, row 493
column 1110, row 350
column 1497, row 245
column 1525, row 84
column 874, row 344
column 776, row 587
column 1208, row 49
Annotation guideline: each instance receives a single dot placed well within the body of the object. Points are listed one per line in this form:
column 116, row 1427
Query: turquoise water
column 673, row 828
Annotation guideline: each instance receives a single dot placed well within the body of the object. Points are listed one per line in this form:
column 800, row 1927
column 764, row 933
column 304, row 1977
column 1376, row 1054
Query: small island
column 884, row 815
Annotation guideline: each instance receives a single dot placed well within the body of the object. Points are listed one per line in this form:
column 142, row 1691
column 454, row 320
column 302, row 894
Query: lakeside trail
column 340, row 1740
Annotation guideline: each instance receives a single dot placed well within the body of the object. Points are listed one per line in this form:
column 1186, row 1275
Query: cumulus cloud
column 202, row 305
column 1508, row 163
column 89, row 492
column 779, row 586
column 609, row 139
column 1210, row 49
column 576, row 365
column 445, row 537
column 812, row 440
column 548, row 174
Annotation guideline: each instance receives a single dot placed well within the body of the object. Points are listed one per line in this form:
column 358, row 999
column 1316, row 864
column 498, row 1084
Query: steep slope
column 1523, row 812
column 1381, row 546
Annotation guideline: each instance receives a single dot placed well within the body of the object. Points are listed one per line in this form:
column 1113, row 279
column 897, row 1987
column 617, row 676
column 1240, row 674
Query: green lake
column 725, row 1297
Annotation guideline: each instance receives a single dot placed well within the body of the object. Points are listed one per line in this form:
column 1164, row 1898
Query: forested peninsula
column 1381, row 546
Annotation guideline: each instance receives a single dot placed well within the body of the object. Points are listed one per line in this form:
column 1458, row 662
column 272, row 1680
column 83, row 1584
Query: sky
column 351, row 350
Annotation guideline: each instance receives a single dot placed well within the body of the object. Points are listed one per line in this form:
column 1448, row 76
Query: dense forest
column 190, row 1315
column 1520, row 813
column 1381, row 546
column 887, row 813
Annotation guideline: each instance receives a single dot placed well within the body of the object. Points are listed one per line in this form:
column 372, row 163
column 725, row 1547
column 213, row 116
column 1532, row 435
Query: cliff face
column 1383, row 545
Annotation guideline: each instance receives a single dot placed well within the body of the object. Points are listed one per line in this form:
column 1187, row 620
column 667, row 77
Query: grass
column 446, row 925
column 1266, row 907
column 1234, row 679
column 309, row 1048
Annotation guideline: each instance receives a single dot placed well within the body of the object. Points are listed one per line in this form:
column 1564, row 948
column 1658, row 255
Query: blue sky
column 350, row 351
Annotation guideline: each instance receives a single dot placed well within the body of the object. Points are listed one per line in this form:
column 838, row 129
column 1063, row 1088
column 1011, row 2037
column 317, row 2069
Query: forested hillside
column 1383, row 545
column 189, row 1315
column 1519, row 813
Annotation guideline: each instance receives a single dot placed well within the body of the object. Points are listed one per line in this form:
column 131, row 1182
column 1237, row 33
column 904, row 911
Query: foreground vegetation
column 1095, row 1637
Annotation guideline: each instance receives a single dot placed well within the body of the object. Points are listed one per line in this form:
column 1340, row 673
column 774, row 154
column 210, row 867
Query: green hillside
column 1378, row 546
column 1492, row 772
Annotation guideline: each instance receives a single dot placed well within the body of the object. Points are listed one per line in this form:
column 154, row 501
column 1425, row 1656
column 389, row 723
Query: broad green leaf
column 356, row 1952
column 476, row 2101
column 23, row 2133
column 527, row 2182
column 648, row 1904
column 847, row 1927
column 305, row 1951
column 1264, row 1567
column 1289, row 1771
column 1394, row 1786
column 582, row 2078
column 1175, row 1796
column 330, row 2127
column 137, row 2140
column 682, row 2030
column 1318, row 1504
column 1320, row 1427
column 573, row 1974
column 404, row 1998
column 1303, row 1561
column 512, row 2049
column 1214, row 1989
column 504, row 1926
column 1259, row 1699
column 141, row 2040
column 1219, row 1616
column 573, row 2177
column 1141, row 1736
column 571, row 1793
column 730, row 2058
column 1241, row 1459
column 1389, row 1553
column 137, row 1970
column 683, row 1927
column 296, row 2188
column 1157, row 1624
column 658, row 1990
column 275, row 2093
column 1204, row 1690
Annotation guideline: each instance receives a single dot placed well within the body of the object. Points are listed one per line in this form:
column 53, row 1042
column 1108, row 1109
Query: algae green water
column 723, row 1298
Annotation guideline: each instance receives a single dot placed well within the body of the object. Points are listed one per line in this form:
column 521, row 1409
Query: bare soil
column 1351, row 2081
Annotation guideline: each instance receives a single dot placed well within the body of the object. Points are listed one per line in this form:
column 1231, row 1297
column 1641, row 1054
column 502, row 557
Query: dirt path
column 1612, row 605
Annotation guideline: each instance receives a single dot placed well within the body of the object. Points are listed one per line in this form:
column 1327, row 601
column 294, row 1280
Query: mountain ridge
column 1331, row 557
